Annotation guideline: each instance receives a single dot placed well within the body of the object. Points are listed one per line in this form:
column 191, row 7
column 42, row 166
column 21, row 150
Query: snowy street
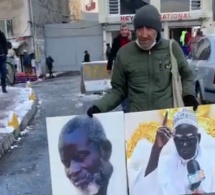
column 24, row 170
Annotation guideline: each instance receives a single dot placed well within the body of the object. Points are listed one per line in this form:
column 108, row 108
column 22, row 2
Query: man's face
column 186, row 140
column 124, row 31
column 146, row 37
column 81, row 159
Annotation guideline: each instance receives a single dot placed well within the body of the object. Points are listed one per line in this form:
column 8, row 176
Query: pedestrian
column 11, row 64
column 196, row 39
column 27, row 62
column 145, row 72
column 3, row 59
column 121, row 40
column 86, row 56
column 49, row 64
column 108, row 50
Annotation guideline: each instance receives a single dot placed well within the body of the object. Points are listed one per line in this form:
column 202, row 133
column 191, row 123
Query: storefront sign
column 164, row 17
column 176, row 16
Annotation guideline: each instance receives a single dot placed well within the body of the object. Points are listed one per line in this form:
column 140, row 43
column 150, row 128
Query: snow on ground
column 97, row 85
column 16, row 101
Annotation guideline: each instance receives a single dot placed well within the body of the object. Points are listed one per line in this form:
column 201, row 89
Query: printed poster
column 87, row 156
column 171, row 152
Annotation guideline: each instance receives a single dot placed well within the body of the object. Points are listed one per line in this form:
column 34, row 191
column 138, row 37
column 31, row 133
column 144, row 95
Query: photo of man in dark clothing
column 3, row 59
column 131, row 6
column 85, row 152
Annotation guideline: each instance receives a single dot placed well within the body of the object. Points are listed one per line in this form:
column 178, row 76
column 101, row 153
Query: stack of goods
column 23, row 77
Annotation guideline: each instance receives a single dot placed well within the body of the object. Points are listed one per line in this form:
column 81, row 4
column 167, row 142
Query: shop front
column 176, row 15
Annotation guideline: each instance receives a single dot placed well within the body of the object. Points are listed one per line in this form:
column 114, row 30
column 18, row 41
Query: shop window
column 202, row 51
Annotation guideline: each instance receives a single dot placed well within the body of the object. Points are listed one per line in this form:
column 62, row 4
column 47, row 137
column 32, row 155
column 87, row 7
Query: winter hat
column 148, row 16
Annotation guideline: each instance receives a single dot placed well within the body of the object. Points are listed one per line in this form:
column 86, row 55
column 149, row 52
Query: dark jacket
column 26, row 60
column 49, row 60
column 144, row 78
column 87, row 57
column 114, row 49
column 3, row 44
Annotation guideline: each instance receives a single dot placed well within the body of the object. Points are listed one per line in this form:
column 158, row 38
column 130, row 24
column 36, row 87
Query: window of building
column 202, row 50
column 113, row 6
column 195, row 5
column 130, row 6
column 2, row 26
column 175, row 5
column 6, row 26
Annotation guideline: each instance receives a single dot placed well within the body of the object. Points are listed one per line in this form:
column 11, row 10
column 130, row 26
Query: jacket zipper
column 150, row 81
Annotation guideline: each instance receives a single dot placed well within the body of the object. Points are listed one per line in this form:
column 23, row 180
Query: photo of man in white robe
column 188, row 170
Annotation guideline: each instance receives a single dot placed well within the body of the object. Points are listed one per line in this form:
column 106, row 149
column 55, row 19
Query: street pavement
column 25, row 169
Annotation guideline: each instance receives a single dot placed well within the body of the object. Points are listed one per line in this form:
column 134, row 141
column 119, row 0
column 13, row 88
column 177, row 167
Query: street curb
column 8, row 139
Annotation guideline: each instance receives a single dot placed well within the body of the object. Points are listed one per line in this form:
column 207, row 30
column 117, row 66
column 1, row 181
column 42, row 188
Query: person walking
column 121, row 40
column 145, row 71
column 108, row 50
column 3, row 60
column 49, row 64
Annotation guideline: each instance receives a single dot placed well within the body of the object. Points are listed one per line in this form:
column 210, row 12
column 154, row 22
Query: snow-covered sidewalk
column 17, row 107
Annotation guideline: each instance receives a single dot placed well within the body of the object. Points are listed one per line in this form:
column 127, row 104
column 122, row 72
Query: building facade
column 24, row 20
column 83, row 33
column 175, row 15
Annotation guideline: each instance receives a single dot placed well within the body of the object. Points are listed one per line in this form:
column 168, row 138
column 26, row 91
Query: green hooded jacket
column 144, row 78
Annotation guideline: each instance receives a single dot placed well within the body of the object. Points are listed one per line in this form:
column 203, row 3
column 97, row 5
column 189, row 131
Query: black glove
column 93, row 110
column 190, row 100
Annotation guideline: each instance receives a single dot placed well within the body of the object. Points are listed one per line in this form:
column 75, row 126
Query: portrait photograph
column 171, row 151
column 87, row 155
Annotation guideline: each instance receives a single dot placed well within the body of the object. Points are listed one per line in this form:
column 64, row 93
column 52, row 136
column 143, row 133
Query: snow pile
column 91, row 97
column 19, row 104
column 97, row 85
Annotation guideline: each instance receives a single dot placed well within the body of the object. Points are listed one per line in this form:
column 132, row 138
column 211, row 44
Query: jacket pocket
column 162, row 68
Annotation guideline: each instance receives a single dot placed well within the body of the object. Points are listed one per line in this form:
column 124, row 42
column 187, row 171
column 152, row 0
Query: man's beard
column 91, row 189
column 92, row 182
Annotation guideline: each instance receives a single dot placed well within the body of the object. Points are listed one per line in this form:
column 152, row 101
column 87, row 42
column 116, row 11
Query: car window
column 202, row 50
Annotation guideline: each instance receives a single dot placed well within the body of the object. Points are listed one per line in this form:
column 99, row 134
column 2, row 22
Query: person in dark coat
column 86, row 56
column 3, row 59
column 120, row 41
column 27, row 62
column 49, row 64
column 108, row 50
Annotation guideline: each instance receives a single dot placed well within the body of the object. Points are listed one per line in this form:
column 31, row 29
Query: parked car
column 202, row 63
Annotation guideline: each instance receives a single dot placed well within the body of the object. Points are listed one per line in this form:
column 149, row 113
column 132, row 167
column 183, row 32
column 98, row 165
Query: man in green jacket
column 142, row 70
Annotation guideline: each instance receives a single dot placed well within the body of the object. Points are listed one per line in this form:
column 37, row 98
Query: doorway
column 175, row 33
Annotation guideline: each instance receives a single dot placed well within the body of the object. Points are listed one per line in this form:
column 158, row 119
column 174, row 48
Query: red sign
column 176, row 16
column 164, row 16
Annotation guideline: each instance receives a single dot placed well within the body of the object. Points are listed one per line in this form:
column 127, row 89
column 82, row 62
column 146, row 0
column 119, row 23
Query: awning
column 16, row 44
